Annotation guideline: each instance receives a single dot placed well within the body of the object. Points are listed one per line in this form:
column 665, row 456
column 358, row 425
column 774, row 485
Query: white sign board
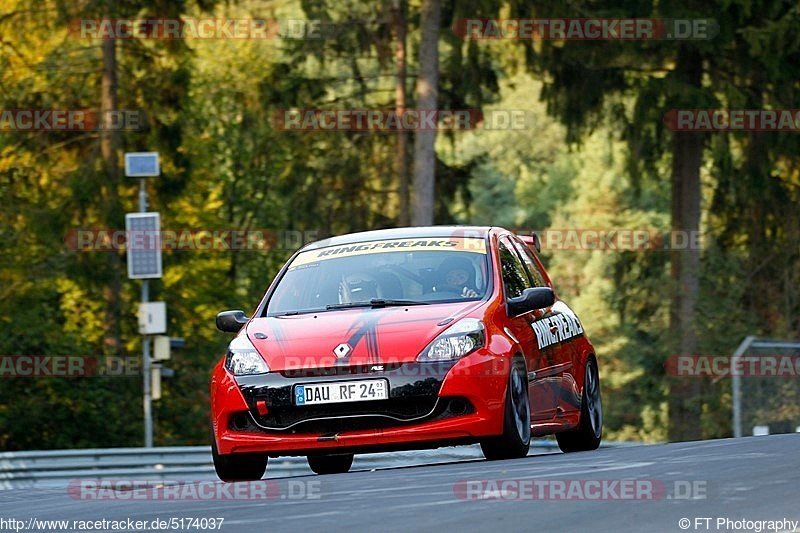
column 161, row 348
column 155, row 382
column 142, row 164
column 152, row 318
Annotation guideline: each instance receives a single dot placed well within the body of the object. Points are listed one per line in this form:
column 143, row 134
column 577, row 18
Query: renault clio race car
column 403, row 339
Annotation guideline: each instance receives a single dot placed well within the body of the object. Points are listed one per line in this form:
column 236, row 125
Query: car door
column 557, row 330
column 541, row 392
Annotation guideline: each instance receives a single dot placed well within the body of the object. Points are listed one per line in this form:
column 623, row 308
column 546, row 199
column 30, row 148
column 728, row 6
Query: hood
column 374, row 336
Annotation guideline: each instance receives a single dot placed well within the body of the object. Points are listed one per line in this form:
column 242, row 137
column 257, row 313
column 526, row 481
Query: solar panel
column 142, row 164
column 143, row 245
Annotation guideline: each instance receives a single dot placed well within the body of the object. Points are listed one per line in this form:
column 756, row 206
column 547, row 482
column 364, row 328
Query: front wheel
column 237, row 467
column 587, row 435
column 330, row 464
column 516, row 438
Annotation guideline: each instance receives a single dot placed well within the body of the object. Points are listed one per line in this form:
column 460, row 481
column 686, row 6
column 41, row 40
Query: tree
column 63, row 301
column 589, row 82
column 687, row 157
column 659, row 76
column 399, row 10
column 426, row 101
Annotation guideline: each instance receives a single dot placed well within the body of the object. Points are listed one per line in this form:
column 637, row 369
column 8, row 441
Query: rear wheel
column 588, row 434
column 516, row 438
column 238, row 467
column 330, row 464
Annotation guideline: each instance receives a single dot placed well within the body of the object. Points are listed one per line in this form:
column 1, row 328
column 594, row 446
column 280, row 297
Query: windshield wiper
column 298, row 312
column 375, row 302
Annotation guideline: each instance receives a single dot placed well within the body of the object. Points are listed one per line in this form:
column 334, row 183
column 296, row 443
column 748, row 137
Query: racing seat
column 389, row 286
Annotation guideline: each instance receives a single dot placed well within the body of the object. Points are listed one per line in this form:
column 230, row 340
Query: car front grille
column 335, row 418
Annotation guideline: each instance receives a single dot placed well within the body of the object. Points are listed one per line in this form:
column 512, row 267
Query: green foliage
column 594, row 154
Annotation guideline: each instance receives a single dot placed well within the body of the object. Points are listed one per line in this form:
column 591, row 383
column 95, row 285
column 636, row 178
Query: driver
column 456, row 274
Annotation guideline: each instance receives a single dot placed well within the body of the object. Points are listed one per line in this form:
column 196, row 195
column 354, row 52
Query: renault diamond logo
column 342, row 350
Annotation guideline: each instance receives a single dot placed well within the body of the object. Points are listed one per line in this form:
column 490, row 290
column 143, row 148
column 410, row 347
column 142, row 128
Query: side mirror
column 231, row 321
column 537, row 242
column 532, row 298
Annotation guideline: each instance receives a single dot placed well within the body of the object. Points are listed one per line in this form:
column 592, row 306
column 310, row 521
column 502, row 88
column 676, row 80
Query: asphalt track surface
column 754, row 478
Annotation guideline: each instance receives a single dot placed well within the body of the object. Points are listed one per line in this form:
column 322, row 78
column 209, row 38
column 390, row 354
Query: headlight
column 460, row 339
column 243, row 358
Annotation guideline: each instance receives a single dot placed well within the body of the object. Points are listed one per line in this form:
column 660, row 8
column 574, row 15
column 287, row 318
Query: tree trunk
column 109, row 149
column 687, row 157
column 401, row 155
column 426, row 100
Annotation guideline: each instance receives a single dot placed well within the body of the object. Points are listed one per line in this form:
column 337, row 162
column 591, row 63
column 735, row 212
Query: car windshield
column 381, row 273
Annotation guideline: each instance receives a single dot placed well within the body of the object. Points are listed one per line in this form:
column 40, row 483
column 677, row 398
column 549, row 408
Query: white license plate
column 341, row 391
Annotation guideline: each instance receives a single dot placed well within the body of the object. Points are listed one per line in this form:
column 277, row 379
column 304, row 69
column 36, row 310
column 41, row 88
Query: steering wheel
column 360, row 286
column 449, row 288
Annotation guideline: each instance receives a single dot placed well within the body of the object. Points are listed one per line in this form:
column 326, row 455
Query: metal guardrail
column 25, row 469
column 55, row 468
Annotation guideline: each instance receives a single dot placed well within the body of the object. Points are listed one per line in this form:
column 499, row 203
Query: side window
column 530, row 264
column 515, row 280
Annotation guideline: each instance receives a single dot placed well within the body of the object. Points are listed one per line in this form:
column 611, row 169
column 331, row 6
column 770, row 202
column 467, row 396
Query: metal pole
column 146, row 399
column 736, row 385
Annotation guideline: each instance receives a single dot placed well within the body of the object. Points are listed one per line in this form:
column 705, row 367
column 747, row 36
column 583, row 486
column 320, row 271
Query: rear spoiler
column 532, row 240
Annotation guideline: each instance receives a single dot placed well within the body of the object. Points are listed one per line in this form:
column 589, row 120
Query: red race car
column 402, row 339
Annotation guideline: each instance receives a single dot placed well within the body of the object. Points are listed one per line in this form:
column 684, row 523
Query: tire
column 330, row 464
column 516, row 438
column 587, row 435
column 238, row 467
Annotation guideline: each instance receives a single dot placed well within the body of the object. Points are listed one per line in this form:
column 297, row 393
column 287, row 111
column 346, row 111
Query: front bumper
column 430, row 404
